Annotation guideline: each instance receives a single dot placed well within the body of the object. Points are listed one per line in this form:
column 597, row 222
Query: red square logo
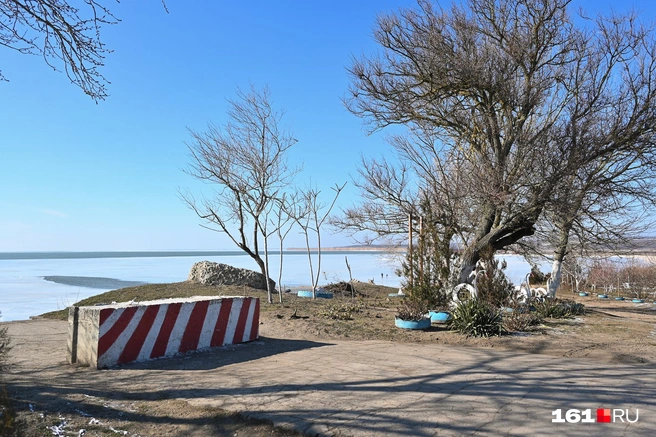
column 603, row 415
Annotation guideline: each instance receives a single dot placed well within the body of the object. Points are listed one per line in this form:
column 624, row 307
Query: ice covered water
column 25, row 293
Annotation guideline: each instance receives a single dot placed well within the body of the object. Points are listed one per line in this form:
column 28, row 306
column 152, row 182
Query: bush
column 343, row 311
column 537, row 277
column 559, row 308
column 521, row 319
column 492, row 283
column 434, row 297
column 412, row 310
column 476, row 318
column 7, row 412
column 4, row 348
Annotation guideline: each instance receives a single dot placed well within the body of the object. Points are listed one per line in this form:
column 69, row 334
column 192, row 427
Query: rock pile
column 210, row 273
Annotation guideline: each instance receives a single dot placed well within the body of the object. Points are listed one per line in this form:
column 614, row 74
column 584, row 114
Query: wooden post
column 410, row 250
column 421, row 250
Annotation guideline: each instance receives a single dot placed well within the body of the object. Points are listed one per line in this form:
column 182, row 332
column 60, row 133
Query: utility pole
column 410, row 250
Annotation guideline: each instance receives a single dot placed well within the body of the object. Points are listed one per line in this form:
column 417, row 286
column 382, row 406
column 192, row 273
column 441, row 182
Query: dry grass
column 143, row 293
column 625, row 336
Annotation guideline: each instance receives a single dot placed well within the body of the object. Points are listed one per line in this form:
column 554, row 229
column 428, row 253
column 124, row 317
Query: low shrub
column 537, row 276
column 7, row 412
column 476, row 318
column 435, row 297
column 492, row 283
column 412, row 310
column 4, row 348
column 342, row 311
column 521, row 319
column 559, row 308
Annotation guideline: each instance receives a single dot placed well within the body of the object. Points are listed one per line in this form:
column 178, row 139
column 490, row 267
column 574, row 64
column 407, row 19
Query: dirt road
column 307, row 381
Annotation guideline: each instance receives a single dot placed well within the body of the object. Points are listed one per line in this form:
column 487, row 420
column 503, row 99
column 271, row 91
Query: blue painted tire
column 305, row 293
column 583, row 294
column 413, row 324
column 619, row 298
column 602, row 296
column 324, row 295
column 439, row 316
column 638, row 301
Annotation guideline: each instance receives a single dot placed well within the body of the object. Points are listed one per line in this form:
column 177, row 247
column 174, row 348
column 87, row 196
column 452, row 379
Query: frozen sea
column 25, row 292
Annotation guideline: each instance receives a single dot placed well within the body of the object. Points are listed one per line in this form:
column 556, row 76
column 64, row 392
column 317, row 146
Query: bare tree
column 65, row 33
column 517, row 92
column 603, row 207
column 246, row 161
column 283, row 223
column 310, row 215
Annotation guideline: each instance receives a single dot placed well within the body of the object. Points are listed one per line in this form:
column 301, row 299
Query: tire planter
column 439, row 316
column 413, row 324
column 320, row 294
column 619, row 298
column 638, row 301
column 583, row 294
column 602, row 296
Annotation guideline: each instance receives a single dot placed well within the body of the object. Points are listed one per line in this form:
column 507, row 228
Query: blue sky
column 75, row 175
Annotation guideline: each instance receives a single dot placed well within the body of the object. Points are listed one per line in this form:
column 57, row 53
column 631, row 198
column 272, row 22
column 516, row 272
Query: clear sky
column 76, row 175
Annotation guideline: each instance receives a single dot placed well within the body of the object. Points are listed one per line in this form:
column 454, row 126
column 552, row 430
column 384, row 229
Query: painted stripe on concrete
column 209, row 324
column 134, row 344
column 175, row 339
column 114, row 350
column 147, row 347
column 105, row 314
column 108, row 318
column 255, row 330
column 249, row 321
column 115, row 331
column 194, row 327
column 232, row 322
column 159, row 348
column 222, row 323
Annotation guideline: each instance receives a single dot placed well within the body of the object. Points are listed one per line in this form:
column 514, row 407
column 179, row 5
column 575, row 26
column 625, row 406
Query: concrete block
column 107, row 335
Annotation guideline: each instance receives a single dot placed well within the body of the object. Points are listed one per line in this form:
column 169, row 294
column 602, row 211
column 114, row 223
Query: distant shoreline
column 351, row 249
column 13, row 256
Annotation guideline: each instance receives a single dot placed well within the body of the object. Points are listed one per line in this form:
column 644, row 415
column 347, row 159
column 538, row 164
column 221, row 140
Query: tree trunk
column 468, row 265
column 556, row 277
column 280, row 274
column 260, row 263
column 266, row 270
column 559, row 257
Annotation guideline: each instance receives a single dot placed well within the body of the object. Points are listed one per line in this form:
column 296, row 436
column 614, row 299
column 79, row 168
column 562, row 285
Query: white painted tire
column 456, row 290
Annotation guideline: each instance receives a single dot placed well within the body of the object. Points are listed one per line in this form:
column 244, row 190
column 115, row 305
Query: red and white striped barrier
column 107, row 335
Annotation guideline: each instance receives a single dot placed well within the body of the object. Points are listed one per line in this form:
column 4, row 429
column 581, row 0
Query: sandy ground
column 53, row 398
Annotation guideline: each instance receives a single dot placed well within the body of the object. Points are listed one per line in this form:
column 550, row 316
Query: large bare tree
column 522, row 96
column 602, row 208
column 65, row 33
column 246, row 161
